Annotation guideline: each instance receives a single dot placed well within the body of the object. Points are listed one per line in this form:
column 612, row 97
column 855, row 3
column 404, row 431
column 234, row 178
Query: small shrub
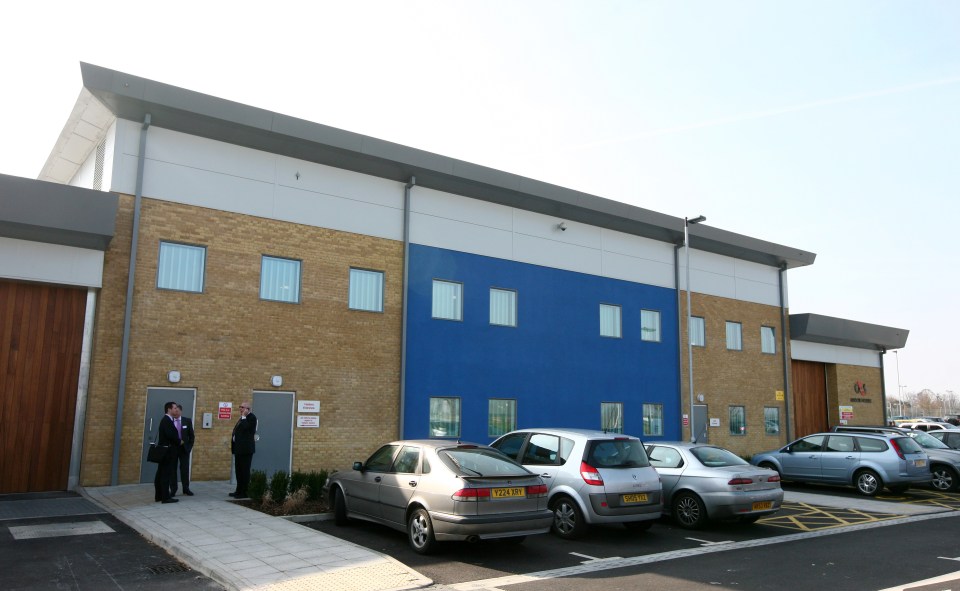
column 295, row 501
column 298, row 480
column 315, row 482
column 258, row 485
column 279, row 485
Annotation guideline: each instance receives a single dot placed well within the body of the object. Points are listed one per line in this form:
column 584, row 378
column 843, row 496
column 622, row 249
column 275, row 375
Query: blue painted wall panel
column 554, row 363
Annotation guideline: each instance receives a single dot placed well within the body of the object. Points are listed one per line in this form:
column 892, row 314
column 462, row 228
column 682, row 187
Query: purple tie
column 179, row 432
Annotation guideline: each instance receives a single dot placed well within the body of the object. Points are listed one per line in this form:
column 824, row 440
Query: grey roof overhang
column 815, row 328
column 131, row 97
column 57, row 214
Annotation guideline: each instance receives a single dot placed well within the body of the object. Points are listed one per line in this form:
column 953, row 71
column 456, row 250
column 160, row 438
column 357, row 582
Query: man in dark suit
column 185, row 429
column 166, row 437
column 243, row 445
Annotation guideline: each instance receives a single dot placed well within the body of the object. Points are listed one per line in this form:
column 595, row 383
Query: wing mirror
column 358, row 466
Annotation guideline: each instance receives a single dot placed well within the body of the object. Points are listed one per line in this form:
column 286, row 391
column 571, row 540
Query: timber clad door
column 41, row 334
column 809, row 380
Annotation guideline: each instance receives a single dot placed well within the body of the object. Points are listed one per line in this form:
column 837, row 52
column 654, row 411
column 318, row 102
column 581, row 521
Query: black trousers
column 183, row 460
column 243, row 462
column 165, row 475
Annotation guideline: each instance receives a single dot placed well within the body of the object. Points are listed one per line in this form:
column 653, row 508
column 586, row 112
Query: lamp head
column 696, row 220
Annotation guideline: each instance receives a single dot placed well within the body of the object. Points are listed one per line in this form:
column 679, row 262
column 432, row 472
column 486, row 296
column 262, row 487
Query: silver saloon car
column 594, row 477
column 704, row 482
column 442, row 490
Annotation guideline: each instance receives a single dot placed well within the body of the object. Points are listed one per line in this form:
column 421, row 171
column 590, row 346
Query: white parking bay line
column 709, row 543
column 594, row 558
column 54, row 530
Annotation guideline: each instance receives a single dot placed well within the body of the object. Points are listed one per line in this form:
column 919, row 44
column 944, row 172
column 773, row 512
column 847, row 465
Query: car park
column 594, row 477
column 439, row 490
column 947, row 436
column 704, row 482
column 867, row 461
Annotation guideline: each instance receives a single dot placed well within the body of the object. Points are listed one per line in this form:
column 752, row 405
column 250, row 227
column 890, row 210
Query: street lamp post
column 686, row 246
column 899, row 387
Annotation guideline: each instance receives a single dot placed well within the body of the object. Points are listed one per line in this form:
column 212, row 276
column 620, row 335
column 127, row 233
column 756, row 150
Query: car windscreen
column 908, row 445
column 476, row 461
column 716, row 457
column 928, row 441
column 617, row 453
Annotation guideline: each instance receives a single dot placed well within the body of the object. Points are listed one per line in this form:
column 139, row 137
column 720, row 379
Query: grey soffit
column 57, row 214
column 815, row 328
column 131, row 97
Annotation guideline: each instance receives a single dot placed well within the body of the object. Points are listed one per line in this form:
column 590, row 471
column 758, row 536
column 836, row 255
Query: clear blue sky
column 830, row 126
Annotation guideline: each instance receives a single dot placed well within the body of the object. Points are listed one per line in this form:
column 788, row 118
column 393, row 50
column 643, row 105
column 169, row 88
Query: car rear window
column 617, row 453
column 715, row 457
column 481, row 462
column 908, row 445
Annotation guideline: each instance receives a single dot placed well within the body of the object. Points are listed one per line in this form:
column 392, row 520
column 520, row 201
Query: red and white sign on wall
column 225, row 410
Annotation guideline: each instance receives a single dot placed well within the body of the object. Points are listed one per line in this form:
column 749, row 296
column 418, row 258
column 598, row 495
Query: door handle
column 412, row 483
column 850, row 457
column 377, row 479
column 150, row 430
column 544, row 475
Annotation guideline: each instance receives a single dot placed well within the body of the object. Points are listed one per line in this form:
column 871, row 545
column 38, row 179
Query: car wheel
column 638, row 525
column 688, row 511
column 339, row 507
column 420, row 532
column 899, row 489
column 568, row 521
column 868, row 483
column 769, row 466
column 944, row 478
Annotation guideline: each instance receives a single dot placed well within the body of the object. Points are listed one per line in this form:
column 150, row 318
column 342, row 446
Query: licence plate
column 919, row 463
column 635, row 498
column 762, row 506
column 499, row 493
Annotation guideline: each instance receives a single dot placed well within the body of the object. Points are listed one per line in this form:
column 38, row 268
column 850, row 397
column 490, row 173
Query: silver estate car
column 704, row 482
column 594, row 477
column 442, row 490
column 867, row 461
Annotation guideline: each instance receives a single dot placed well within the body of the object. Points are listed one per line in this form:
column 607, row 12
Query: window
column 542, row 450
column 511, row 444
column 447, row 300
column 381, row 459
column 771, row 420
column 611, row 417
column 768, row 339
column 738, row 420
column 279, row 280
column 653, row 419
column 610, row 321
column 664, row 457
column 650, row 325
column 501, row 416
column 813, row 443
column 698, row 334
column 444, row 417
column 366, row 290
column 503, row 307
column 180, row 267
column 841, row 443
column 734, row 336
column 406, row 462
column 870, row 445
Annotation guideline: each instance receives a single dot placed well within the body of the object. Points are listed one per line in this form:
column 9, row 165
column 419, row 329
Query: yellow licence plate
column 635, row 498
column 919, row 463
column 499, row 493
column 762, row 506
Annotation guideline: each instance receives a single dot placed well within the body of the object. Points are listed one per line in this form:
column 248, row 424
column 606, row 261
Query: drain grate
column 166, row 569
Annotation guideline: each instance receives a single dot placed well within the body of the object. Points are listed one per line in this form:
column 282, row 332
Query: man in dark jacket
column 167, row 437
column 243, row 445
column 185, row 428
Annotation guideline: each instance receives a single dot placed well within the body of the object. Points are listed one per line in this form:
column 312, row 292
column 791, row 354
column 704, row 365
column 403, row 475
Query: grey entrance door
column 700, row 423
column 156, row 398
column 274, row 412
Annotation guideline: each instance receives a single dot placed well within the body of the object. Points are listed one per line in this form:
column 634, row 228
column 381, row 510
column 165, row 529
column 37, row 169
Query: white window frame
column 742, row 431
column 271, row 292
column 184, row 275
column 768, row 340
column 645, row 329
column 365, row 292
column 698, row 331
column 652, row 420
column 456, row 306
column 766, row 420
column 735, row 339
column 503, row 307
column 615, row 314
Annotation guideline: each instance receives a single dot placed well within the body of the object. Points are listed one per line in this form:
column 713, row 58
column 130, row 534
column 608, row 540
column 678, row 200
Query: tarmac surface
column 225, row 544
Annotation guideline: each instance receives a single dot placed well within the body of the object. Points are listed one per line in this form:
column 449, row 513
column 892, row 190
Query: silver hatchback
column 593, row 477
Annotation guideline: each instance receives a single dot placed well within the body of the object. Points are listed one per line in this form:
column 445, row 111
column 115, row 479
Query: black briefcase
column 157, row 453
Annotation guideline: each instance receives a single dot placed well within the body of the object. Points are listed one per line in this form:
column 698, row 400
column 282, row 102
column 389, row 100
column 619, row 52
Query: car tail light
column 472, row 494
column 537, row 490
column 737, row 481
column 896, row 448
column 774, row 478
column 590, row 474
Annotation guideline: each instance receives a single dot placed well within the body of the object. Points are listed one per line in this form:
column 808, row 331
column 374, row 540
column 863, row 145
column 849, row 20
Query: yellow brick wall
column 745, row 378
column 226, row 342
column 841, row 390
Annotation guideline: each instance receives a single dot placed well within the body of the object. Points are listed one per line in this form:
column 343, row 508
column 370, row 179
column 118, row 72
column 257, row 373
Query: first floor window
column 503, row 307
column 698, row 333
column 738, row 420
column 734, row 336
column 279, row 279
column 366, row 290
column 650, row 325
column 610, row 321
column 768, row 339
column 501, row 416
column 181, row 267
column 444, row 417
column 447, row 300
column 653, row 419
column 771, row 420
column 611, row 417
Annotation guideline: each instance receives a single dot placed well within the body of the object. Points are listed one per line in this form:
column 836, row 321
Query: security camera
column 562, row 226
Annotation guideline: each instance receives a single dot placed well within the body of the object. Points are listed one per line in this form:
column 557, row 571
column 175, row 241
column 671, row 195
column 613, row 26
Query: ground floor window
column 444, row 417
column 738, row 420
column 611, row 417
column 501, row 416
column 653, row 419
column 771, row 420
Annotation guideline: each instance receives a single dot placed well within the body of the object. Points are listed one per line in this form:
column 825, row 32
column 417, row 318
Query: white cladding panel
column 456, row 207
column 50, row 263
column 461, row 236
column 823, row 353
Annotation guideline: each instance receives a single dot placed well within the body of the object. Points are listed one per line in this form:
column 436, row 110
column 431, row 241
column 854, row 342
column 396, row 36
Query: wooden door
column 809, row 380
column 41, row 335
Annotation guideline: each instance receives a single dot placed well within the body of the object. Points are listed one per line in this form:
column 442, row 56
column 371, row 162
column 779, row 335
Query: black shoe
column 188, row 493
column 233, row 494
column 165, row 501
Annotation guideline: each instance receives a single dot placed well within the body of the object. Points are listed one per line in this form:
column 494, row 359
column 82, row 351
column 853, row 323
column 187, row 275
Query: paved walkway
column 245, row 549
